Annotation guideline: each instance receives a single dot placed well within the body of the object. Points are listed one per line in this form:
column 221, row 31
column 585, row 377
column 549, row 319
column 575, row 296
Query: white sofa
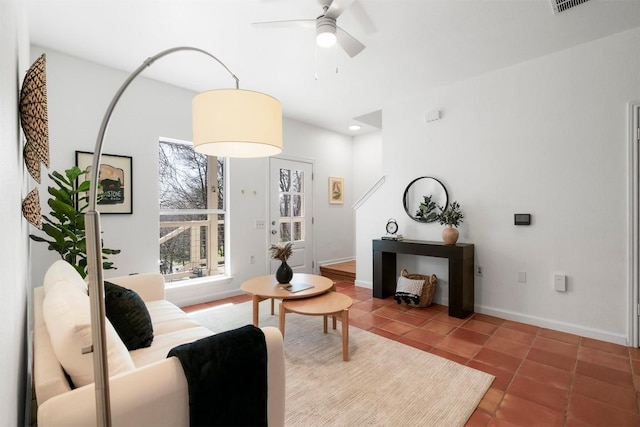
column 147, row 390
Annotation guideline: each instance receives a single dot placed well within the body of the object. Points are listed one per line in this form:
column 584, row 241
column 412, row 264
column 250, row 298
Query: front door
column 290, row 211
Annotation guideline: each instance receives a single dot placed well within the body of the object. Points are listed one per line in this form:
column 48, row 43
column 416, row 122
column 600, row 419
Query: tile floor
column 543, row 377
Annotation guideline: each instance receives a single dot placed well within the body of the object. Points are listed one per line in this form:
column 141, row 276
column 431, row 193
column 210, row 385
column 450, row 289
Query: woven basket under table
column 428, row 288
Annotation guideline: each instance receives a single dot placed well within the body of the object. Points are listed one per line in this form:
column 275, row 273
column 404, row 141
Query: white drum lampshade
column 237, row 123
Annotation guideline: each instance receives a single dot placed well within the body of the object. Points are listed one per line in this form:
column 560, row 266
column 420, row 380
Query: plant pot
column 450, row 235
column 284, row 273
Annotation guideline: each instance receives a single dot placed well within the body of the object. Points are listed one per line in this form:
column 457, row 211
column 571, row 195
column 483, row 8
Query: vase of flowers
column 452, row 218
column 282, row 252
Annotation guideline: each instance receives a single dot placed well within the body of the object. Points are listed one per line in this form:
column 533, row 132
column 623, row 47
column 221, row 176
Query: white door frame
column 634, row 223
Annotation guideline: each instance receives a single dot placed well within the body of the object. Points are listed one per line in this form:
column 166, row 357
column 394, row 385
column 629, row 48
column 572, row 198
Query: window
column 192, row 212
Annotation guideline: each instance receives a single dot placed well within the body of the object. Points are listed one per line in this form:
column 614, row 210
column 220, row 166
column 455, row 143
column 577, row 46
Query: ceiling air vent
column 564, row 5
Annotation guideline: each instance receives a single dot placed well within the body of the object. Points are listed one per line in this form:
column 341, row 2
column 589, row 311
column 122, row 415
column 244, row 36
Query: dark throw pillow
column 128, row 315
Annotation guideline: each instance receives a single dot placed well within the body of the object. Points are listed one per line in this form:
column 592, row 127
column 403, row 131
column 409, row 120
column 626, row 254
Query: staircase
column 340, row 272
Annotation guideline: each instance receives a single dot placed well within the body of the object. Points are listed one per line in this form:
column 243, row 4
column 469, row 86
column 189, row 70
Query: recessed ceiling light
column 354, row 127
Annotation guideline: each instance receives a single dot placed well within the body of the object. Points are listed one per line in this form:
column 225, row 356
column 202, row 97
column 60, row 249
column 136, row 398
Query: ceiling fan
column 327, row 30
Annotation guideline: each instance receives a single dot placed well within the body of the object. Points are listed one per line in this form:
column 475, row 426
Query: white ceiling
column 412, row 45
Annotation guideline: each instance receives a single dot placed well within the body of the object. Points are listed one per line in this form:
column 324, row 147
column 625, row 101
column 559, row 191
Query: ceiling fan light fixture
column 325, row 31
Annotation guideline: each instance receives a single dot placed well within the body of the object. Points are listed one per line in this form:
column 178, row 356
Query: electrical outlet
column 252, row 259
column 260, row 224
column 479, row 270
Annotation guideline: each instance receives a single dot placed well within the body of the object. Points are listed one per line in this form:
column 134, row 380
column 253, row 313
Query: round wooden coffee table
column 327, row 304
column 265, row 287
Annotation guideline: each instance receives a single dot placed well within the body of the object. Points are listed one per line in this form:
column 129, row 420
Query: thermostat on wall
column 522, row 219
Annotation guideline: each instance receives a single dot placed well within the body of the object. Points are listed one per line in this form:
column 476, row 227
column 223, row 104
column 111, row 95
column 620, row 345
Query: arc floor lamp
column 227, row 123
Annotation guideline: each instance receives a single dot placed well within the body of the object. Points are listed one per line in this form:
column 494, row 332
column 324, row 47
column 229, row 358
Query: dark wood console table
column 460, row 256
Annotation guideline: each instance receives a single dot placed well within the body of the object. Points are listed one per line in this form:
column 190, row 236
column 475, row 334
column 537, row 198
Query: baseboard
column 362, row 284
column 186, row 302
column 570, row 328
column 334, row 261
column 199, row 291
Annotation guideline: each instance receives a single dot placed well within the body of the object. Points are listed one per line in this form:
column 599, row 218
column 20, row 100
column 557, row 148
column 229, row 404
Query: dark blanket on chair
column 227, row 376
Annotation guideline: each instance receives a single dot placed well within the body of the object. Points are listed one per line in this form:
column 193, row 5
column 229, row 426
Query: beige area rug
column 385, row 383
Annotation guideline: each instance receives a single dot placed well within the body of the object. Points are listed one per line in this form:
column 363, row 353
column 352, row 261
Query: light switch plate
column 432, row 116
column 560, row 282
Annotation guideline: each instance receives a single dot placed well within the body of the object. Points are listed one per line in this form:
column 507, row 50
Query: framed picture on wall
column 115, row 178
column 336, row 190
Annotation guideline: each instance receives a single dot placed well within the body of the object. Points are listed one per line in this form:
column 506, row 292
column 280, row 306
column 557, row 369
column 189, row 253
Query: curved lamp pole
column 254, row 113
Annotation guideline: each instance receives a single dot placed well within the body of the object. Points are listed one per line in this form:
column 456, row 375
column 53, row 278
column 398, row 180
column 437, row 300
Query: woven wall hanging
column 31, row 208
column 32, row 160
column 33, row 115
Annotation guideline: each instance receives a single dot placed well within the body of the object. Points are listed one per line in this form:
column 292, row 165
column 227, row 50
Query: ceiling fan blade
column 337, row 7
column 350, row 44
column 304, row 23
column 359, row 13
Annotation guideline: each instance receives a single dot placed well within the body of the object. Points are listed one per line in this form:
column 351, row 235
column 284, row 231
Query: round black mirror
column 422, row 197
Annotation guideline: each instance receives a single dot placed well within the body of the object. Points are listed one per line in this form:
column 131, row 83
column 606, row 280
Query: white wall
column 367, row 170
column 367, row 162
column 79, row 92
column 15, row 295
column 546, row 137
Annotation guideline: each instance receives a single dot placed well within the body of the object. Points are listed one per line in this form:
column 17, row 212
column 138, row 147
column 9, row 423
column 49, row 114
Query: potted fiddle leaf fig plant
column 65, row 225
column 451, row 217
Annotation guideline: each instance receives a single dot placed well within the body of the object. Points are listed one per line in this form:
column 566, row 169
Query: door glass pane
column 285, row 205
column 297, row 230
column 297, row 205
column 297, row 178
column 285, row 179
column 285, row 232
